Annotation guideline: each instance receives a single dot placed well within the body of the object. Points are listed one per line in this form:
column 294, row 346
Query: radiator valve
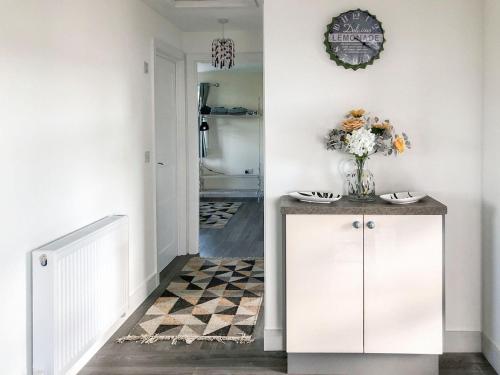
column 43, row 260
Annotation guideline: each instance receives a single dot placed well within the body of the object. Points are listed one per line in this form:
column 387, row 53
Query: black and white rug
column 215, row 215
column 211, row 299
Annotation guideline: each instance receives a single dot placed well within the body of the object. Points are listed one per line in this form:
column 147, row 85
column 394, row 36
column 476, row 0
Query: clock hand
column 366, row 44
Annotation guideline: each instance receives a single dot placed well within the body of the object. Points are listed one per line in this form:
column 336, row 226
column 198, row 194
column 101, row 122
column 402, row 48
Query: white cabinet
column 373, row 289
column 403, row 284
column 324, row 283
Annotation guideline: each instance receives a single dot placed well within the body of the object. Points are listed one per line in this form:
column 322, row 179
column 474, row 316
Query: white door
column 403, row 284
column 324, row 283
column 166, row 161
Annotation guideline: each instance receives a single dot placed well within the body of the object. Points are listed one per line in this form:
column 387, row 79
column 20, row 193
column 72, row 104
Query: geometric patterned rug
column 215, row 215
column 211, row 299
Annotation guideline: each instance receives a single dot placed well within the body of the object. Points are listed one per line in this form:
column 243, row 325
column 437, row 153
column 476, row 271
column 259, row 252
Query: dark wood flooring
column 243, row 235
column 208, row 358
column 212, row 358
column 464, row 364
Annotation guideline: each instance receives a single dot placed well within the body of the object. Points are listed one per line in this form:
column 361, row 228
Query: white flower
column 361, row 142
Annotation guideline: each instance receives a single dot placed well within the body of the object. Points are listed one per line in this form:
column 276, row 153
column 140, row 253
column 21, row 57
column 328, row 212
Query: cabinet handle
column 370, row 224
column 356, row 224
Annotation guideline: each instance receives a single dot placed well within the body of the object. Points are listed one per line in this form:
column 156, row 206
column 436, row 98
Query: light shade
column 223, row 53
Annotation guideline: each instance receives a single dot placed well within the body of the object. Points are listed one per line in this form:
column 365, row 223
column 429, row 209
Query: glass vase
column 360, row 183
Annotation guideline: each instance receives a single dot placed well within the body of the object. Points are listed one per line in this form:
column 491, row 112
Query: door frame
column 176, row 56
column 193, row 177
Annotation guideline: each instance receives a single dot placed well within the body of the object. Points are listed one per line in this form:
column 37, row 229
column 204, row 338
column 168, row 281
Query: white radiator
column 80, row 292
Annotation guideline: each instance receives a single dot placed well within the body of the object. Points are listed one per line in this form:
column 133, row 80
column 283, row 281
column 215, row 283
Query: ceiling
column 243, row 67
column 202, row 15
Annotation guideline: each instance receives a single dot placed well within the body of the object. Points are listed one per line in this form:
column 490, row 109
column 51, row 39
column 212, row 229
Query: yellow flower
column 357, row 112
column 353, row 124
column 399, row 144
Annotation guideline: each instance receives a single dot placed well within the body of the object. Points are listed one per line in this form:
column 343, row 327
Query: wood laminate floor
column 243, row 235
column 464, row 364
column 208, row 358
column 212, row 358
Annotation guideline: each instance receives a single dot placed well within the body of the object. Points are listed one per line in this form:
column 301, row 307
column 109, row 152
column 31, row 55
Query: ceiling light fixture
column 223, row 50
column 213, row 3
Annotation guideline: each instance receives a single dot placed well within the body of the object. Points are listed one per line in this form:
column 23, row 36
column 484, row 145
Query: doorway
column 231, row 217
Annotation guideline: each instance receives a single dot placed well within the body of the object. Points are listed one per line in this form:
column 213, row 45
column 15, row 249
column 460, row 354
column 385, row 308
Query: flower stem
column 360, row 164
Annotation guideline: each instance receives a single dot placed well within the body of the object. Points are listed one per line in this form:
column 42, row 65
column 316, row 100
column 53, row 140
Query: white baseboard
column 462, row 341
column 454, row 341
column 492, row 352
column 273, row 340
column 142, row 292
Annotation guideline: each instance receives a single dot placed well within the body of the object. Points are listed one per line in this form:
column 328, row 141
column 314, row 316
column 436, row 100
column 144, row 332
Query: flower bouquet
column 362, row 135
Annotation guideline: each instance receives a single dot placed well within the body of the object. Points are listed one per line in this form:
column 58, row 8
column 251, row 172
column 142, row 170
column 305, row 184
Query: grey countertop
column 427, row 206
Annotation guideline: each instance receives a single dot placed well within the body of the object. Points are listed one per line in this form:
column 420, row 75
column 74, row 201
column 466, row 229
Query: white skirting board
column 462, row 341
column 491, row 352
column 454, row 341
column 143, row 291
column 273, row 340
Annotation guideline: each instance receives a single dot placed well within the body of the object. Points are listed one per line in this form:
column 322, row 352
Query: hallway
column 197, row 358
column 137, row 136
column 214, row 358
column 242, row 236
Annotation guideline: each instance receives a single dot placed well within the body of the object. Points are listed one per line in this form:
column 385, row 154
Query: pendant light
column 223, row 50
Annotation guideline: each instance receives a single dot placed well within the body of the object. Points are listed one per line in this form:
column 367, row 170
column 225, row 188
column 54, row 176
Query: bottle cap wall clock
column 354, row 39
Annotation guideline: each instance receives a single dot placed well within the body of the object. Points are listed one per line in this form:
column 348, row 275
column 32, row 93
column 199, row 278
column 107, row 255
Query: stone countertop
column 426, row 206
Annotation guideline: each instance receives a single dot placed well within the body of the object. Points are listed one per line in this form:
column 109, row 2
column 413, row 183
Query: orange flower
column 353, row 124
column 357, row 112
column 399, row 144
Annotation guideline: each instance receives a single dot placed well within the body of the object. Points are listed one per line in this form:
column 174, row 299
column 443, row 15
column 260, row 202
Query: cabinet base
column 363, row 364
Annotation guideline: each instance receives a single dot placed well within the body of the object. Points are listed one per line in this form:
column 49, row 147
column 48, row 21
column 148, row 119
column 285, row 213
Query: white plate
column 315, row 196
column 403, row 197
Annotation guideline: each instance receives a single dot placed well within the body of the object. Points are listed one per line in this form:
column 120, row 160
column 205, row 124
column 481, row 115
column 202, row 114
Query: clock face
column 354, row 39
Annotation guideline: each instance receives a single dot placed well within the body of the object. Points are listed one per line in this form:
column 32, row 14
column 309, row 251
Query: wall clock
column 354, row 39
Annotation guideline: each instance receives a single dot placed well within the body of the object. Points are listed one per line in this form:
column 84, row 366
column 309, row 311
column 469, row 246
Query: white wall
column 234, row 143
column 491, row 183
column 76, row 119
column 428, row 82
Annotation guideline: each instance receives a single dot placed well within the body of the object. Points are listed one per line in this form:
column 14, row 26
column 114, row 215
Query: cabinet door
column 324, row 284
column 403, row 284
